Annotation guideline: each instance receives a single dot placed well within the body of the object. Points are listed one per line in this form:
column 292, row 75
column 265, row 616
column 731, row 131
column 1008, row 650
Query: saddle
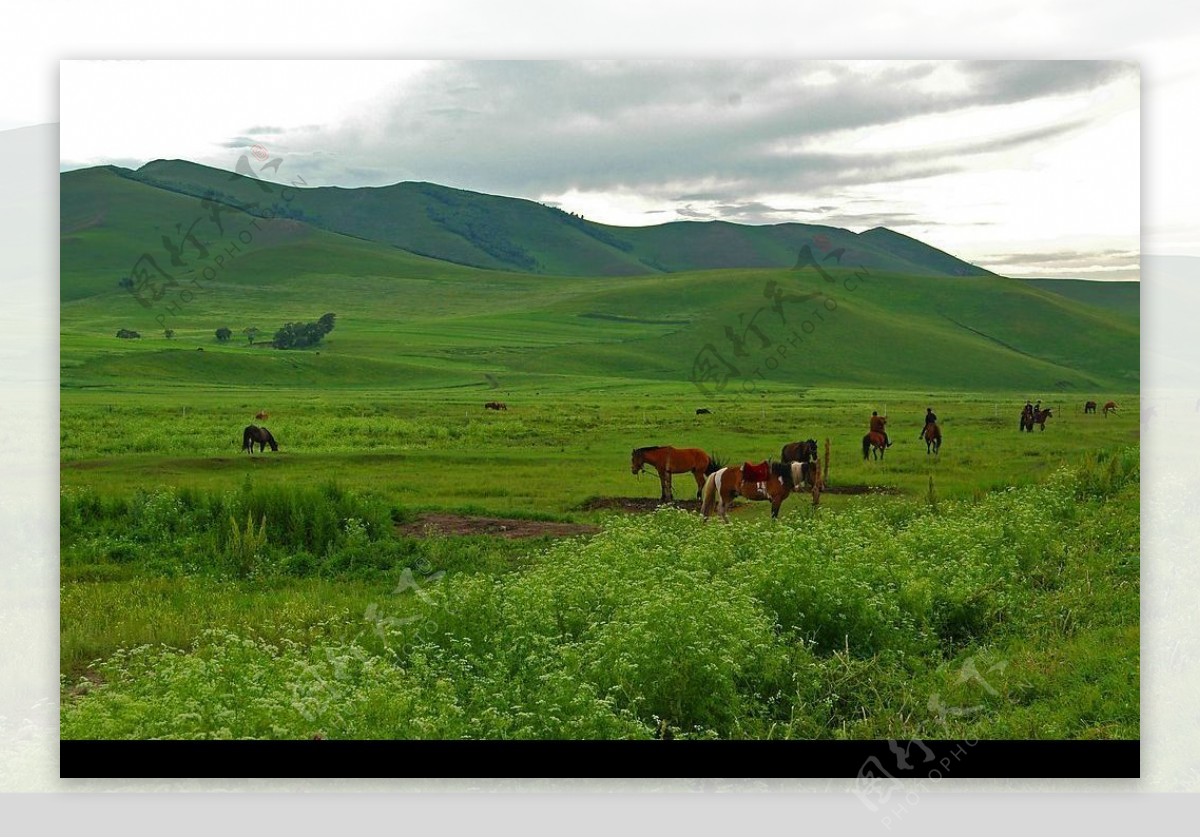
column 759, row 473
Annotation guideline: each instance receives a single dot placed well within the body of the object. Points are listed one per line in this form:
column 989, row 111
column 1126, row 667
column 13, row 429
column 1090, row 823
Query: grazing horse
column 933, row 438
column 262, row 436
column 668, row 460
column 261, row 415
column 1089, row 407
column 702, row 410
column 874, row 443
column 1109, row 407
column 495, row 406
column 723, row 484
column 804, row 452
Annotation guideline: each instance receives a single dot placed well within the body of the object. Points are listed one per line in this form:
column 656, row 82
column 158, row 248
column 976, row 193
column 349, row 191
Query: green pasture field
column 211, row 593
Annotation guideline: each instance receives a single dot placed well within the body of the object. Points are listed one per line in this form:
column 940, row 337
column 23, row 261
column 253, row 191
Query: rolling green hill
column 500, row 233
column 406, row 321
column 1123, row 298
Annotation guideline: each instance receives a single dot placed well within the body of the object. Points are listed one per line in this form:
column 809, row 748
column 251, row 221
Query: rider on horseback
column 877, row 424
column 930, row 419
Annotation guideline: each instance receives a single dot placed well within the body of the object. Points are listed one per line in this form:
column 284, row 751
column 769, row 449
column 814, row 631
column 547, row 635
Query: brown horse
column 1038, row 418
column 1109, row 407
column 804, row 452
column 668, row 460
column 933, row 438
column 874, row 443
column 495, row 406
column 1089, row 407
column 725, row 483
column 261, row 415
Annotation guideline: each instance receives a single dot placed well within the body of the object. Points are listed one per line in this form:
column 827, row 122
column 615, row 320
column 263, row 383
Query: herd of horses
column 798, row 468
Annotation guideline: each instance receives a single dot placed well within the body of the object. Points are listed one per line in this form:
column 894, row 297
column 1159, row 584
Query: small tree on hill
column 224, row 334
column 251, row 333
column 169, row 333
column 303, row 335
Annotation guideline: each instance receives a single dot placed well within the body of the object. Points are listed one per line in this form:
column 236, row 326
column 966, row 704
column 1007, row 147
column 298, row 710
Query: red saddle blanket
column 759, row 473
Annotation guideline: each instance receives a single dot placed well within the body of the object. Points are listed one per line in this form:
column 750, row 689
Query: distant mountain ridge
column 515, row 234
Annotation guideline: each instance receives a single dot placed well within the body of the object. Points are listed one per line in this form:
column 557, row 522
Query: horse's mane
column 714, row 465
column 648, row 448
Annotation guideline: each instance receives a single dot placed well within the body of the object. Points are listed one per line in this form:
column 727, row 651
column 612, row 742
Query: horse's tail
column 246, row 438
column 714, row 465
column 708, row 496
column 866, row 446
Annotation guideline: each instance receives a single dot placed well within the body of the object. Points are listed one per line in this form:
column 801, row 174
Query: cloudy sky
column 1028, row 168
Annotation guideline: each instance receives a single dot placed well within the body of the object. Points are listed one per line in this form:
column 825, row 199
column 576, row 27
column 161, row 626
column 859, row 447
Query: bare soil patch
column 636, row 504
column 445, row 523
column 861, row 489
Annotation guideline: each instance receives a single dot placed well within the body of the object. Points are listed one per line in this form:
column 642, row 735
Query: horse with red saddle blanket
column 762, row 481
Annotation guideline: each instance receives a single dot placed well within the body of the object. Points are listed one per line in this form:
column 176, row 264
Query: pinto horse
column 933, row 438
column 1109, row 407
column 803, row 452
column 495, row 406
column 874, row 443
column 724, row 484
column 262, row 436
column 1089, row 407
column 668, row 460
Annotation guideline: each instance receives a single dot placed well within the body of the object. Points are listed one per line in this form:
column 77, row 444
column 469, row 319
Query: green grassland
column 207, row 592
column 490, row 231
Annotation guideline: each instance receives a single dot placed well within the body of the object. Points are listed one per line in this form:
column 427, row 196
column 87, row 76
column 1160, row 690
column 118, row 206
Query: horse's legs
column 698, row 473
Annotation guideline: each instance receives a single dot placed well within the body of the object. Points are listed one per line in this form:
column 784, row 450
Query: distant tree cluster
column 476, row 225
column 224, row 334
column 127, row 333
column 303, row 335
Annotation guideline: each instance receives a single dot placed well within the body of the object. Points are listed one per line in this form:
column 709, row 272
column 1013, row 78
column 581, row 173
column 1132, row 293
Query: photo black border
column 883, row 760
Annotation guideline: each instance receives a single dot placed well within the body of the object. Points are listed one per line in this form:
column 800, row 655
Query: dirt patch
column 444, row 523
column 84, row 465
column 860, row 489
column 88, row 680
column 637, row 504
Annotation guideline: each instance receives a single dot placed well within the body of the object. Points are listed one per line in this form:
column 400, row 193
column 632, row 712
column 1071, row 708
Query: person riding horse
column 930, row 419
column 877, row 424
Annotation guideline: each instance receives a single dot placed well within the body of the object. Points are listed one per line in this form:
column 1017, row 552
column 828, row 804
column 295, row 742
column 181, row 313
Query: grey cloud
column 530, row 128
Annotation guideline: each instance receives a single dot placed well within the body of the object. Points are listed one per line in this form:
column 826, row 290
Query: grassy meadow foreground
column 991, row 591
column 363, row 582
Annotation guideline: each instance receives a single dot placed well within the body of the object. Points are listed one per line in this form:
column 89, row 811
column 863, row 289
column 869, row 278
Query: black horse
column 799, row 452
column 262, row 436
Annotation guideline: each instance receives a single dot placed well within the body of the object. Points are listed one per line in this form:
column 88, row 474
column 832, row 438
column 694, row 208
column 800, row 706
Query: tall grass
column 170, row 531
column 854, row 623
